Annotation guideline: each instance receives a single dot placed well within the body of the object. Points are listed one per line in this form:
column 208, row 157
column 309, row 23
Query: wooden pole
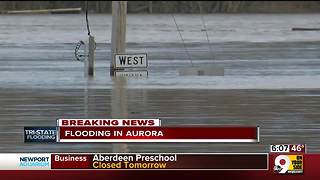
column 118, row 39
column 150, row 7
column 118, row 45
column 92, row 46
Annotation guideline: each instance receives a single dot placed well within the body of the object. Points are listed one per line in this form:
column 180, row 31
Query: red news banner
column 148, row 130
column 158, row 161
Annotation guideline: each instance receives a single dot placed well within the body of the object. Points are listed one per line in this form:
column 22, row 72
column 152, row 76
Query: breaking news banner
column 159, row 134
column 107, row 122
column 135, row 130
column 40, row 134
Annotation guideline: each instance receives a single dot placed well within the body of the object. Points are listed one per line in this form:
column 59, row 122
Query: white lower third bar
column 25, row 161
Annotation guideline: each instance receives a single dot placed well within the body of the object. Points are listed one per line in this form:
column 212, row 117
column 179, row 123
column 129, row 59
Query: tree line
column 172, row 6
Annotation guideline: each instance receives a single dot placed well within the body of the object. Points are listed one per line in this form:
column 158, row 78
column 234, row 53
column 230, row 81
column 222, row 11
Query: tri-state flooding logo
column 40, row 134
column 288, row 164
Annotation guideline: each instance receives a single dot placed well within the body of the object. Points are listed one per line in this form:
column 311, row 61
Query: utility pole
column 150, row 7
column 118, row 46
column 118, row 39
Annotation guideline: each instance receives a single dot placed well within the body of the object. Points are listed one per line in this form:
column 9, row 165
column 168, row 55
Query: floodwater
column 271, row 80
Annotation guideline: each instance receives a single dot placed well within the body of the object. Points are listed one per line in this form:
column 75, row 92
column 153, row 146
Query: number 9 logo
column 279, row 166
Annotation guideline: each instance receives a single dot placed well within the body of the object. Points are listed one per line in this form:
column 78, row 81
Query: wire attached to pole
column 184, row 45
column 87, row 21
column 205, row 29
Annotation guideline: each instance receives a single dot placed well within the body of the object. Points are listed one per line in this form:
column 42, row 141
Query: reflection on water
column 119, row 107
column 271, row 79
column 285, row 116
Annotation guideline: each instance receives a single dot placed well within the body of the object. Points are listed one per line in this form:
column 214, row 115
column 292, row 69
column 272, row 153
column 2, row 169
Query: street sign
column 131, row 61
column 131, row 74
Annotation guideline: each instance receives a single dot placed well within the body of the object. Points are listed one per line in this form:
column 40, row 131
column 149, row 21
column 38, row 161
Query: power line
column 87, row 21
column 205, row 29
column 184, row 45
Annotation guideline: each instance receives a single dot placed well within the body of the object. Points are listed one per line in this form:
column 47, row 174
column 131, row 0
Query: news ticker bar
column 134, row 161
column 135, row 130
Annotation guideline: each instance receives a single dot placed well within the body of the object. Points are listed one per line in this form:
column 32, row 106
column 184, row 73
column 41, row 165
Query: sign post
column 91, row 48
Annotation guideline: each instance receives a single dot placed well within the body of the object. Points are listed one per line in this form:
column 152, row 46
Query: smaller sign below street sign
column 131, row 74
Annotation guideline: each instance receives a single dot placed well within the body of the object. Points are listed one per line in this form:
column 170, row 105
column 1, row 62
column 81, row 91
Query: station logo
column 40, row 134
column 288, row 164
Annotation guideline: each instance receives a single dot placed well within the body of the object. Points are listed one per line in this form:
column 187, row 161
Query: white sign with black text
column 131, row 61
column 132, row 74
